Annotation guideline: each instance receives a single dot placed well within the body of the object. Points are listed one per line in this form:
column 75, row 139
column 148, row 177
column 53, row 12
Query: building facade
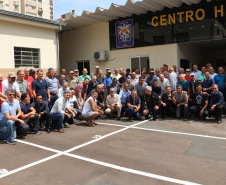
column 37, row 8
column 28, row 41
column 179, row 33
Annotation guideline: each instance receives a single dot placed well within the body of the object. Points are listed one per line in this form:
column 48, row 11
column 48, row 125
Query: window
column 26, row 57
column 83, row 64
column 40, row 1
column 16, row 8
column 6, row 4
column 1, row 5
column 31, row 7
column 139, row 62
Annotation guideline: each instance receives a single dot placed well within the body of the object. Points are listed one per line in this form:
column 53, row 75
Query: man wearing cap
column 84, row 75
column 76, row 75
column 72, row 81
column 192, row 84
column 108, row 80
column 150, row 78
column 11, row 84
column 23, row 85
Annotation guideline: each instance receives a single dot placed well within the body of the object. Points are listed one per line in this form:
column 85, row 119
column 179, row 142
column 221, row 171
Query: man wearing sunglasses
column 11, row 84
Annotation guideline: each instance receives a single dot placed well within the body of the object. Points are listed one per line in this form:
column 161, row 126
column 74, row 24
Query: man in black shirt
column 42, row 109
column 151, row 103
column 133, row 106
column 168, row 107
column 155, row 88
column 122, row 79
column 199, row 103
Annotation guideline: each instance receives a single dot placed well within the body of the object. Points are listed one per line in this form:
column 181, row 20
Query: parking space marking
column 166, row 131
column 129, row 170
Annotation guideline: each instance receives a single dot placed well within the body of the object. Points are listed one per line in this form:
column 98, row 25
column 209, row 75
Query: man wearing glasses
column 217, row 103
column 113, row 103
column 9, row 118
column 42, row 109
column 11, row 84
column 187, row 75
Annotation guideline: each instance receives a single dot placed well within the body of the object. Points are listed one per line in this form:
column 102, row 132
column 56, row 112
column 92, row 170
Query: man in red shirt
column 29, row 80
column 187, row 76
column 81, row 90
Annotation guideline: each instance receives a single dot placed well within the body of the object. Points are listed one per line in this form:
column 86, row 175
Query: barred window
column 26, row 57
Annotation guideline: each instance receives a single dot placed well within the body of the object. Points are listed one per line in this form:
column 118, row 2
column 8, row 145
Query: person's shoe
column 11, row 142
column 185, row 119
column 129, row 120
column 61, row 131
column 36, row 132
column 20, row 137
column 219, row 121
column 66, row 124
column 48, row 130
column 118, row 118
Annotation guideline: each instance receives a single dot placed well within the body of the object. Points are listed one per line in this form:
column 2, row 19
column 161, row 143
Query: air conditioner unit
column 100, row 55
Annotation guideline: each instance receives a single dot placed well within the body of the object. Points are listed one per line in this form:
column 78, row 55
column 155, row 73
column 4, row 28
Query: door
column 83, row 64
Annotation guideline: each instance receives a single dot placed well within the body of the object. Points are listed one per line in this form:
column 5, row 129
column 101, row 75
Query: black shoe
column 129, row 120
column 146, row 117
column 48, row 130
column 219, row 121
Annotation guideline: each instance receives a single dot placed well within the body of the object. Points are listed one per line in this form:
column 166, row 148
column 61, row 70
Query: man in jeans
column 29, row 114
column 42, row 109
column 59, row 114
column 180, row 99
column 10, row 113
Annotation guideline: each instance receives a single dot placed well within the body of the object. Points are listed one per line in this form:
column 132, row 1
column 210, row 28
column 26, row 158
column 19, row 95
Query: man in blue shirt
column 52, row 83
column 63, row 88
column 108, row 80
column 184, row 83
column 39, row 85
column 151, row 78
column 220, row 80
column 217, row 103
column 10, row 113
column 123, row 95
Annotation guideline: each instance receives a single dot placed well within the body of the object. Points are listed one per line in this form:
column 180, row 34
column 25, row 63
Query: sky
column 64, row 6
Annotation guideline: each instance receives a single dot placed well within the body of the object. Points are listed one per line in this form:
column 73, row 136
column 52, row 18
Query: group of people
column 29, row 101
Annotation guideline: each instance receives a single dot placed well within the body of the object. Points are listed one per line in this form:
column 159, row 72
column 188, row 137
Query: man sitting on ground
column 133, row 106
column 29, row 114
column 58, row 113
column 42, row 109
column 151, row 103
column 113, row 103
column 90, row 110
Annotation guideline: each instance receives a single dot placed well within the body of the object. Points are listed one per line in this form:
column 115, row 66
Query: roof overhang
column 116, row 11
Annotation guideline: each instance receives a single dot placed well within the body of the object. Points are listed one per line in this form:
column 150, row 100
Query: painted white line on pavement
column 29, row 165
column 129, row 170
column 38, row 146
column 109, row 124
column 166, row 131
column 103, row 137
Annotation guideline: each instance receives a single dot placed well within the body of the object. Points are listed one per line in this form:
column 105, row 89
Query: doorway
column 139, row 62
column 83, row 64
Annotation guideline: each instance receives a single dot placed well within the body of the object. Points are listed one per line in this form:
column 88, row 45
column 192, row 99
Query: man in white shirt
column 113, row 103
column 163, row 83
column 172, row 79
column 11, row 84
column 134, row 80
column 196, row 71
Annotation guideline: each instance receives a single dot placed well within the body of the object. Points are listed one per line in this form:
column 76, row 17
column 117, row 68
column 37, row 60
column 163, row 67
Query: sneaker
column 11, row 142
column 36, row 132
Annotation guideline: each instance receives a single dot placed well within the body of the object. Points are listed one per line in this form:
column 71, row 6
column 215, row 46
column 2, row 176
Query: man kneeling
column 90, row 110
column 58, row 113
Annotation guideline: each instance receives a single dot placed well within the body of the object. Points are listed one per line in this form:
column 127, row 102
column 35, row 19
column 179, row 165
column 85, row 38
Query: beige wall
column 80, row 44
column 21, row 35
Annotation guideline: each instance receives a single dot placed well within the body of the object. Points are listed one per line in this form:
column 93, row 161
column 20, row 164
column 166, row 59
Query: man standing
column 90, row 110
column 62, row 79
column 122, row 79
column 29, row 114
column 219, row 80
column 11, row 84
column 202, row 75
column 172, row 78
column 29, row 80
column 212, row 74
column 62, row 89
column 113, row 103
column 140, row 87
column 200, row 103
column 81, row 90
column 52, row 84
column 58, row 113
column 92, row 84
column 163, row 83
column 108, row 80
column 123, row 95
column 184, row 83
column 196, row 71
column 217, row 103
column 116, row 74
column 99, row 76
column 151, row 103
column 84, row 76
column 39, row 85
column 133, row 106
column 72, row 81
column 23, row 85
column 42, row 109
column 2, row 96
column 134, row 80
column 131, row 86
column 150, row 78
column 76, row 76
column 180, row 99
column 10, row 113
column 116, row 85
column 155, row 87
column 208, row 83
column 187, row 75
